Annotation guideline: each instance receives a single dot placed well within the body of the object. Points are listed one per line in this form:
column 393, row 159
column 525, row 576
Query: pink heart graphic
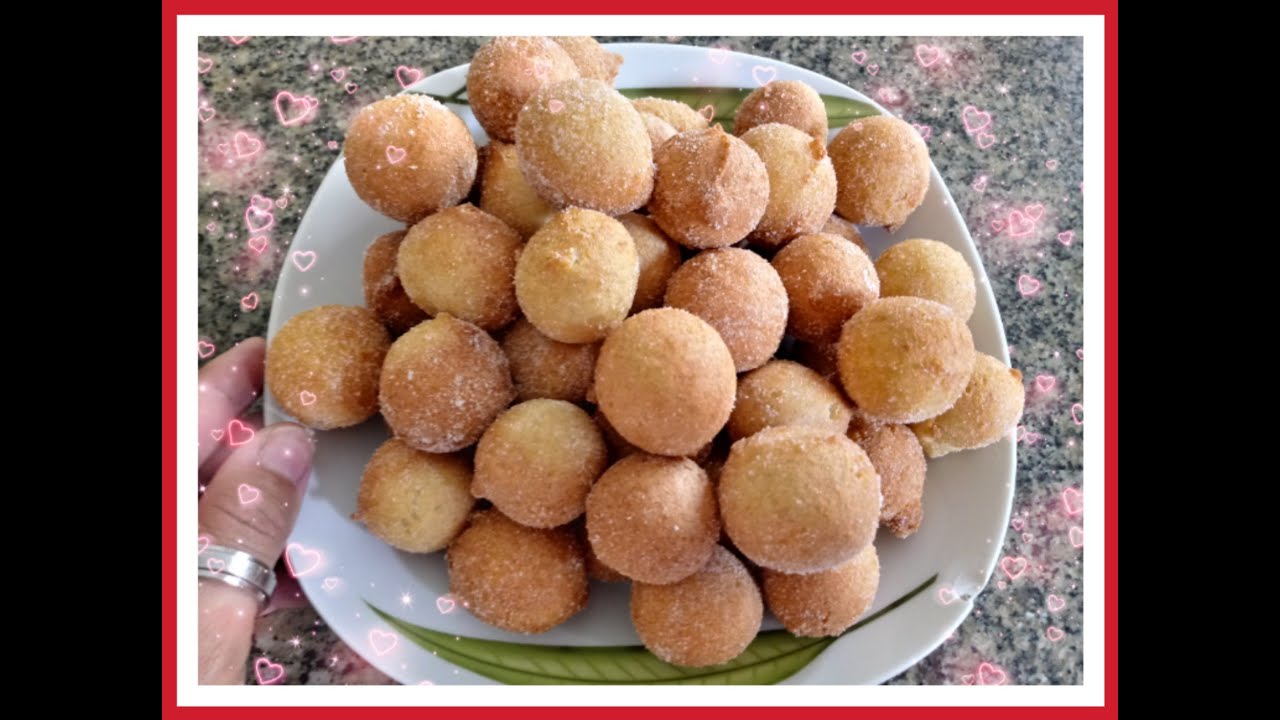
column 248, row 493
column 1072, row 501
column 306, row 397
column 924, row 130
column 1017, row 524
column 395, row 154
column 891, row 96
column 947, row 596
column 980, row 184
column 267, row 672
column 998, row 224
column 257, row 244
column 966, row 679
column 258, row 220
column 859, row 56
column 249, row 302
column 928, row 55
column 407, row 76
column 989, row 674
column 312, row 560
column 764, row 74
column 351, row 87
column 445, row 604
column 293, row 110
column 1077, row 413
column 247, row 145
column 205, row 349
column 343, row 39
column 260, row 203
column 203, row 544
column 1051, row 164
column 1045, row 383
column 1029, row 437
column 974, row 119
column 1053, row 633
column 238, row 39
column 1020, row 225
column 217, row 434
column 1080, row 353
column 304, row 260
column 337, row 74
column 1076, row 536
column 1028, row 285
column 1034, row 211
column 872, row 69
column 554, row 106
column 1055, row 603
column 332, row 144
column 718, row 55
column 985, row 140
column 207, row 113
column 216, row 564
column 283, row 202
column 708, row 112
column 382, row 642
column 1013, row 566
column 238, row 433
column 206, row 64
column 330, row 583
column 1067, row 237
column 1026, row 538
column 224, row 148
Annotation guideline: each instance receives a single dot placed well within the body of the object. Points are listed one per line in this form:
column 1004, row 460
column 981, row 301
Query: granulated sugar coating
column 537, row 462
column 383, row 293
column 882, row 171
column 799, row 500
column 505, row 72
column 930, row 270
column 412, row 500
column 740, row 295
column 905, row 359
column 322, row 366
column 518, row 578
column 828, row 279
column 837, row 225
column 706, row 619
column 653, row 518
column 988, row 410
column 462, row 261
column 784, row 101
column 666, row 381
column 591, row 59
column 581, row 143
column 577, row 276
column 711, row 189
column 505, row 194
column 545, row 368
column 659, row 130
column 802, row 183
column 659, row 257
column 408, row 156
column 443, row 383
column 898, row 458
column 782, row 392
column 679, row 116
column 824, row 604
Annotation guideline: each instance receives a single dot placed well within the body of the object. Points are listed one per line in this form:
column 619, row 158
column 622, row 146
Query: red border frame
column 169, row 271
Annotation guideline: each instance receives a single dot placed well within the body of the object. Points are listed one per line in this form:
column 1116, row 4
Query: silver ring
column 237, row 569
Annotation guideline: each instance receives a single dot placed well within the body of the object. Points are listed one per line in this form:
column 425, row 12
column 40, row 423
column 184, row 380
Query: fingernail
column 287, row 452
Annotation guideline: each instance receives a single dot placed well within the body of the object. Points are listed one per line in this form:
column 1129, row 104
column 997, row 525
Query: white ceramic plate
column 341, row 566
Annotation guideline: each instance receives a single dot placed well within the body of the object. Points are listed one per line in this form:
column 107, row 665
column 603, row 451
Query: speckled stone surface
column 1016, row 178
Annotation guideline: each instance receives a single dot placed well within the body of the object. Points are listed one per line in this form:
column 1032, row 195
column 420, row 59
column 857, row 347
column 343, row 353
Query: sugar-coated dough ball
column 505, row 72
column 824, row 604
column 987, row 411
column 462, row 261
column 577, row 276
column 666, row 381
column 443, row 383
column 408, row 156
column 659, row 257
column 828, row 279
column 784, row 101
column 837, row 225
column 898, row 458
column 596, row 569
column 882, row 171
column 782, row 392
column 412, row 500
column 582, row 144
column 383, row 293
column 505, row 194
column 537, row 462
column 799, row 500
column 653, row 518
column 905, row 359
column 323, row 364
column 710, row 190
column 546, row 368
column 740, row 295
column 659, row 130
column 706, row 619
column 930, row 270
column 517, row 578
column 802, row 183
column 592, row 60
column 679, row 116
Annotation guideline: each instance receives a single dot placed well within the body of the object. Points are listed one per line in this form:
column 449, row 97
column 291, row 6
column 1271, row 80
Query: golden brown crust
column 545, row 368
column 782, row 392
column 591, row 59
column 882, row 171
column 824, row 604
column 679, row 116
column 783, row 101
column 659, row 257
column 383, row 293
column 828, row 279
column 505, row 72
column 928, row 269
column 837, row 225
column 802, row 183
column 412, row 500
column 899, row 460
column 505, row 194
column 988, row 410
column 659, row 130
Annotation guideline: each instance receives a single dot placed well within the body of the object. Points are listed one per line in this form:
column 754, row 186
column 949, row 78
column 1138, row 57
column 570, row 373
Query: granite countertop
column 1017, row 181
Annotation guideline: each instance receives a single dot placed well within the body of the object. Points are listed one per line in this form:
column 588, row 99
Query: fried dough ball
column 443, row 383
column 581, row 143
column 653, row 518
column 802, row 184
column 505, row 194
column 591, row 59
column 517, row 578
column 905, row 359
column 679, row 116
column 882, row 171
column 790, row 102
column 323, row 364
column 837, row 225
column 824, row 604
column 799, row 500
column 898, row 458
column 505, row 72
column 787, row 393
column 537, row 462
column 577, row 276
column 462, row 261
column 710, row 190
column 659, row 130
column 740, row 295
column 989, row 408
column 383, row 293
column 408, row 156
column 705, row 619
column 412, row 500
column 659, row 257
column 666, row 382
column 545, row 368
column 930, row 270
column 596, row 569
column 828, row 279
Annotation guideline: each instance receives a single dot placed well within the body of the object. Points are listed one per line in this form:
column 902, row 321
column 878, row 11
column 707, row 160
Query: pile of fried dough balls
column 577, row 344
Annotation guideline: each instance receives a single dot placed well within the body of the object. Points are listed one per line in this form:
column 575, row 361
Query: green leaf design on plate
column 772, row 657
